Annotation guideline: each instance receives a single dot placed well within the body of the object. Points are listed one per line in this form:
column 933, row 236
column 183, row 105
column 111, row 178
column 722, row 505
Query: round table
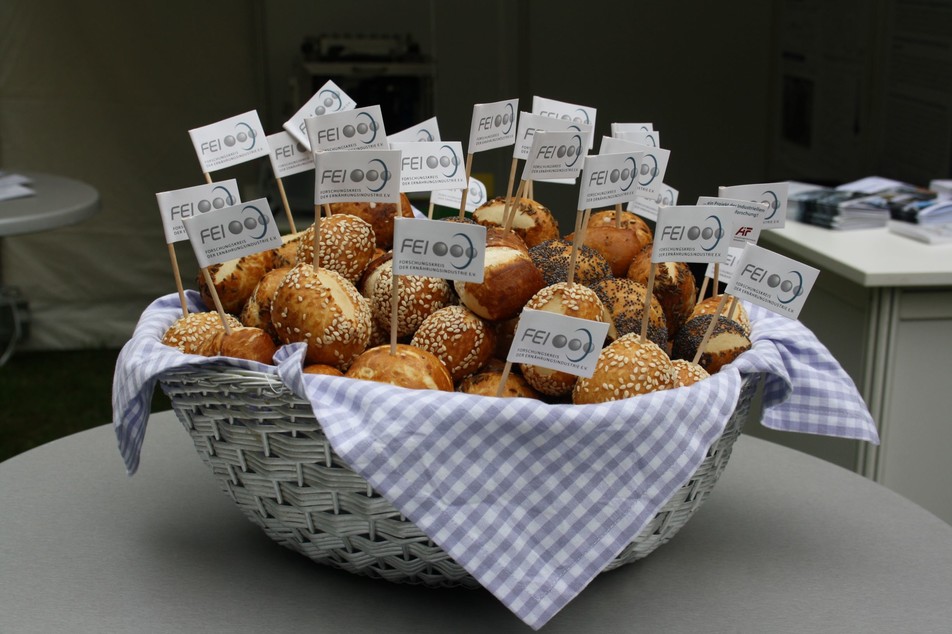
column 58, row 201
column 786, row 543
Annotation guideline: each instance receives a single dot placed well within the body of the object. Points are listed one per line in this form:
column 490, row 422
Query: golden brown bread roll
column 628, row 219
column 244, row 342
column 509, row 280
column 708, row 306
column 673, row 286
column 410, row 367
column 533, row 222
column 322, row 309
column 189, row 332
column 257, row 310
column 418, row 297
column 726, row 343
column 486, row 383
column 575, row 300
column 553, row 257
column 627, row 367
column 321, row 368
column 625, row 301
column 378, row 215
column 235, row 280
column 458, row 337
column 347, row 245
column 285, row 256
column 689, row 372
column 618, row 245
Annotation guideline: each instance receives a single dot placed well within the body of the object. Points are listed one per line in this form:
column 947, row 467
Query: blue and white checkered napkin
column 532, row 499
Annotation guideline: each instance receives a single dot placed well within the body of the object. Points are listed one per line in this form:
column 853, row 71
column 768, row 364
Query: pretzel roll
column 573, row 300
column 347, row 245
column 486, row 383
column 235, row 280
column 553, row 257
column 533, row 222
column 509, row 280
column 257, row 310
column 369, row 277
column 689, row 372
column 378, row 215
column 726, row 343
column 709, row 305
column 409, row 367
column 321, row 368
column 244, row 342
column 322, row 309
column 418, row 297
column 188, row 333
column 673, row 286
column 630, row 220
column 625, row 301
column 618, row 245
column 627, row 367
column 458, row 337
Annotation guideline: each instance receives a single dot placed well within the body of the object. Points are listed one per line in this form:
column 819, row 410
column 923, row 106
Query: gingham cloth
column 533, row 500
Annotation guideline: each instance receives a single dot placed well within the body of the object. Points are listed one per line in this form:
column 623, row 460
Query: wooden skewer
column 647, row 308
column 287, row 206
column 178, row 279
column 503, row 378
column 469, row 169
column 710, row 328
column 216, row 299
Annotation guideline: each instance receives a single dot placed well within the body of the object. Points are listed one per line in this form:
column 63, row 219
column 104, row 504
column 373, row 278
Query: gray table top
column 58, row 202
column 786, row 543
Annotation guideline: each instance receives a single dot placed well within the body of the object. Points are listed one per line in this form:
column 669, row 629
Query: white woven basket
column 271, row 457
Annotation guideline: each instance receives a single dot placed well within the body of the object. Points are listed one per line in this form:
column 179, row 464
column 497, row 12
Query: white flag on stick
column 179, row 204
column 772, row 281
column 229, row 142
column 555, row 155
column 773, row 194
column 232, row 232
column 493, row 125
column 357, row 129
column 329, row 98
column 357, row 176
column 692, row 233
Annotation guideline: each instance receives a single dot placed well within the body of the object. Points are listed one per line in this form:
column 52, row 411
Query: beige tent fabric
column 105, row 93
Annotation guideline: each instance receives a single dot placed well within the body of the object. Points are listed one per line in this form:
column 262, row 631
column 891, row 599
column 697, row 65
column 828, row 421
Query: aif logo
column 787, row 287
column 460, row 251
column 649, row 170
column 447, row 159
column 244, row 138
column 365, row 131
column 571, row 152
column 254, row 223
column 772, row 201
column 574, row 346
column 374, row 178
column 708, row 234
column 330, row 101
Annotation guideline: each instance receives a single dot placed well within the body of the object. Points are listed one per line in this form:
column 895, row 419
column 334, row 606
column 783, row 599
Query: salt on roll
column 458, row 337
column 188, row 332
column 627, row 367
column 347, row 246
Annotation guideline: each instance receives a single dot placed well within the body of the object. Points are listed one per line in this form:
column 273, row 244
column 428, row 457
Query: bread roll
column 244, row 342
column 673, row 286
column 321, row 368
column 257, row 310
column 573, row 300
column 418, row 297
column 235, row 280
column 378, row 215
column 689, row 372
column 629, row 220
column 509, row 280
column 347, row 245
column 618, row 245
column 410, row 367
column 627, row 367
column 285, row 256
column 458, row 338
column 553, row 257
column 189, row 332
column 325, row 311
column 625, row 301
column 726, row 343
column 486, row 383
column 708, row 306
column 533, row 222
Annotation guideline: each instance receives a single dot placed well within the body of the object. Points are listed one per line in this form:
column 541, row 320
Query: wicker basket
column 271, row 457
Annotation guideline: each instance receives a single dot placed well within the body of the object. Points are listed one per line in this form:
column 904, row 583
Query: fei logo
column 435, row 248
column 361, row 128
column 175, row 206
column 771, row 280
column 557, row 342
column 427, row 166
column 356, row 175
column 493, row 125
column 691, row 233
column 649, row 170
column 232, row 232
column 554, row 155
column 608, row 179
column 773, row 195
column 229, row 142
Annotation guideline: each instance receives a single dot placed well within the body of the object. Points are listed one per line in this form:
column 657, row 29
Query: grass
column 45, row 395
